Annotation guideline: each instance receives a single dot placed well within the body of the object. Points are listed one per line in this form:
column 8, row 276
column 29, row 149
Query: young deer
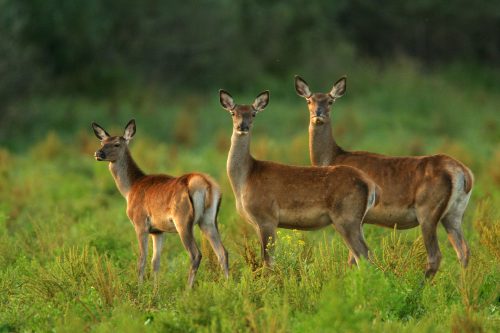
column 421, row 190
column 162, row 203
column 271, row 195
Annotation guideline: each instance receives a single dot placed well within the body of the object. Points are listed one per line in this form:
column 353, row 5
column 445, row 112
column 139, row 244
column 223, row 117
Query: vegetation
column 68, row 252
column 423, row 78
column 102, row 47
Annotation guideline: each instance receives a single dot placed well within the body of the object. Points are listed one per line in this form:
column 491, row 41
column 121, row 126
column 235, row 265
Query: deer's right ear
column 301, row 87
column 100, row 132
column 226, row 100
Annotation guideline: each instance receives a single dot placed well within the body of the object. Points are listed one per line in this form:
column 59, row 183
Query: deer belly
column 303, row 219
column 163, row 224
column 392, row 217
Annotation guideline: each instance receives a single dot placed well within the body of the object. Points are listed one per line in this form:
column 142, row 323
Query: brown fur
column 420, row 190
column 162, row 203
column 271, row 195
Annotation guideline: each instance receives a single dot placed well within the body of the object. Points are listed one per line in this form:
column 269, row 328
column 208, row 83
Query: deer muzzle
column 318, row 120
column 242, row 129
column 99, row 155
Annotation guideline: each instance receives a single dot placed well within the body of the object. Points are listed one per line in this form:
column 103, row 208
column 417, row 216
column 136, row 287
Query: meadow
column 68, row 252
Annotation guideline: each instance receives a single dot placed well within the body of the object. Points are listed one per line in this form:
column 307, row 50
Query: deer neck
column 322, row 146
column 125, row 172
column 239, row 161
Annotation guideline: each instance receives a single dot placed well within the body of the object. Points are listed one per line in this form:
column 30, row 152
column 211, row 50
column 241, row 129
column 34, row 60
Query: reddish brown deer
column 162, row 203
column 271, row 195
column 421, row 190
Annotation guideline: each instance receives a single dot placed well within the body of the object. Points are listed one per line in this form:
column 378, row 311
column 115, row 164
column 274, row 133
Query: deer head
column 243, row 114
column 113, row 147
column 320, row 104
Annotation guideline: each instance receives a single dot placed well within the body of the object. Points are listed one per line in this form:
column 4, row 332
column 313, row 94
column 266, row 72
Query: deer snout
column 320, row 113
column 243, row 128
column 99, row 155
column 318, row 118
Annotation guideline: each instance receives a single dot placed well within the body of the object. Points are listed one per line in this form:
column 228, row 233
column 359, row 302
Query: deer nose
column 243, row 127
column 319, row 113
column 99, row 155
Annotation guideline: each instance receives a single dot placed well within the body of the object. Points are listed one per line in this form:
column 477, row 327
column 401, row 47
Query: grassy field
column 68, row 251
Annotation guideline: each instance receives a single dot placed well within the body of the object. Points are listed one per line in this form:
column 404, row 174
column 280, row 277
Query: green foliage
column 100, row 48
column 68, row 251
column 429, row 30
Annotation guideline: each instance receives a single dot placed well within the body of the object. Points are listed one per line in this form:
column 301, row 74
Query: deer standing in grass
column 162, row 203
column 422, row 190
column 271, row 195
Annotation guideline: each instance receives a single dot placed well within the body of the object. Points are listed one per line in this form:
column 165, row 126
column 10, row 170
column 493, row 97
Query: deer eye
column 330, row 102
column 116, row 145
column 232, row 113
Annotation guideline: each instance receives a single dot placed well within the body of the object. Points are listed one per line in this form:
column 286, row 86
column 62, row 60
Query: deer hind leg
column 186, row 234
column 428, row 226
column 351, row 260
column 431, row 201
column 428, row 219
column 208, row 226
column 155, row 261
column 452, row 223
column 352, row 233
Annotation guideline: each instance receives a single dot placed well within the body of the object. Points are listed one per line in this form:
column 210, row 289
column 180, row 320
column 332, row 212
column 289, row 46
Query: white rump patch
column 198, row 205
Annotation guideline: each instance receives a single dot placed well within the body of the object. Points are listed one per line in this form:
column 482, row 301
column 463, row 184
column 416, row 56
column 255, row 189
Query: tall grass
column 68, row 251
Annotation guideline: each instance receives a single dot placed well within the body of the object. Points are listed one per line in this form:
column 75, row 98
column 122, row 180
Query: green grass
column 68, row 251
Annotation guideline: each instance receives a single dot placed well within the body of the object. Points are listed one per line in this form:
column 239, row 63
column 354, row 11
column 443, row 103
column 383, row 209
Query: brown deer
column 421, row 190
column 271, row 195
column 162, row 203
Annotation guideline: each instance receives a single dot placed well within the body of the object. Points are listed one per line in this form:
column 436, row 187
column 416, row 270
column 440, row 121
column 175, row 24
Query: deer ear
column 301, row 87
column 100, row 132
column 261, row 101
column 339, row 88
column 129, row 132
column 226, row 100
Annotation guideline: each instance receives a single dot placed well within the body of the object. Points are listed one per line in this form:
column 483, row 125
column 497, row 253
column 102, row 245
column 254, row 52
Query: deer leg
column 352, row 233
column 209, row 230
column 351, row 260
column 452, row 223
column 428, row 220
column 267, row 234
column 431, row 202
column 155, row 261
column 187, row 238
column 432, row 246
column 142, row 238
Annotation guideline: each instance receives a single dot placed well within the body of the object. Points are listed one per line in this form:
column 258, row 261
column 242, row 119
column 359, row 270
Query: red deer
column 421, row 190
column 271, row 195
column 161, row 203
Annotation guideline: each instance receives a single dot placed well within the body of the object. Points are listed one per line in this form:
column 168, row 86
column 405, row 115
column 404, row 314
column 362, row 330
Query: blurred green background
column 65, row 63
column 423, row 78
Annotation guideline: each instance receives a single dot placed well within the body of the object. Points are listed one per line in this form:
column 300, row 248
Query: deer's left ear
column 129, row 132
column 100, row 132
column 339, row 88
column 261, row 101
